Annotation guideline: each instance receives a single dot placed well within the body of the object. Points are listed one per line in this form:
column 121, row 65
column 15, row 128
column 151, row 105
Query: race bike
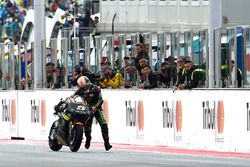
column 74, row 113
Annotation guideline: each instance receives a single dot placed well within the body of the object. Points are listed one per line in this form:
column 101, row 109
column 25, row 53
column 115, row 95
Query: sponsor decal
column 248, row 117
column 208, row 115
column 178, row 116
column 38, row 112
column 140, row 115
column 178, row 121
column 35, row 110
column 5, row 110
column 106, row 110
column 130, row 113
column 172, row 117
column 135, row 116
column 220, row 117
column 168, row 114
column 213, row 118
column 43, row 113
column 219, row 137
column 13, row 112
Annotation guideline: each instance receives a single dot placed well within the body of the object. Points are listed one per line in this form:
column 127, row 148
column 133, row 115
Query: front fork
column 54, row 130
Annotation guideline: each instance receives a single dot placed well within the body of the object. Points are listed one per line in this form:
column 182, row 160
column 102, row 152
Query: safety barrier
column 198, row 119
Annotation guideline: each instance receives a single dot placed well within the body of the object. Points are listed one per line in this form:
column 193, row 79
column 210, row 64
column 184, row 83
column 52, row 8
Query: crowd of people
column 12, row 15
column 13, row 12
column 11, row 20
column 136, row 72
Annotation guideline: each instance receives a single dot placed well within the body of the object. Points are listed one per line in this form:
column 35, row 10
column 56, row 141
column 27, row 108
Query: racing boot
column 105, row 136
column 88, row 139
column 107, row 145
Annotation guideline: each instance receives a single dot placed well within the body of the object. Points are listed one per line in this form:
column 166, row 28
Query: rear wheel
column 53, row 144
column 75, row 140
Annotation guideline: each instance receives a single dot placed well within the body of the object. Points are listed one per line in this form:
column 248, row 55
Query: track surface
column 15, row 153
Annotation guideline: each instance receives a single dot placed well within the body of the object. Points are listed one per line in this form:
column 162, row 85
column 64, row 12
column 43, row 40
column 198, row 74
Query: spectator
column 95, row 33
column 129, row 73
column 87, row 25
column 181, row 71
column 86, row 21
column 23, row 84
column 16, row 27
column 8, row 13
column 7, row 28
column 110, row 79
column 167, row 75
column 60, row 73
column 10, row 9
column 195, row 76
column 140, row 53
column 149, row 80
column 96, row 20
column 50, row 67
column 232, row 71
column 77, row 72
column 171, row 70
column 142, row 62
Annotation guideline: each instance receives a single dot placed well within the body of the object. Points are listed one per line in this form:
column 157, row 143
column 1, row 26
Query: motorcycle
column 75, row 113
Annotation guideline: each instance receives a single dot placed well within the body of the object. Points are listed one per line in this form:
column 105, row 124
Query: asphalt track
column 20, row 153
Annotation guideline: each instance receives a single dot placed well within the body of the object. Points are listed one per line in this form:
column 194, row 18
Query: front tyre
column 53, row 144
column 75, row 140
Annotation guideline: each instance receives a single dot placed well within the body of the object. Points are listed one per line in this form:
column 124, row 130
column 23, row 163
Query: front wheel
column 53, row 144
column 75, row 140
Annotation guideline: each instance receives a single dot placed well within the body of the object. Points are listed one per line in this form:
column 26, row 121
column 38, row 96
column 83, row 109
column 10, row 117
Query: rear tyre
column 75, row 140
column 53, row 144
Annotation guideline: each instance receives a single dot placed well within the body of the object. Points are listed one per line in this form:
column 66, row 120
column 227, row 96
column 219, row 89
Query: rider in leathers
column 92, row 95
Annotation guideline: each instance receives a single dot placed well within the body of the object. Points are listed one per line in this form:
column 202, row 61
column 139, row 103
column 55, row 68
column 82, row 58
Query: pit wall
column 215, row 120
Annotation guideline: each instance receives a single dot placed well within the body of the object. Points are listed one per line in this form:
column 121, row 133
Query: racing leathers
column 93, row 97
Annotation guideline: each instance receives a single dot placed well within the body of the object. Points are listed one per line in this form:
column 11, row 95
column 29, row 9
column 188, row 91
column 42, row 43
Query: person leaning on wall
column 194, row 76
column 149, row 80
column 110, row 78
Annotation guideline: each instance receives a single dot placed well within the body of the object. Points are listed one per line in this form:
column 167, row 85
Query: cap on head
column 83, row 81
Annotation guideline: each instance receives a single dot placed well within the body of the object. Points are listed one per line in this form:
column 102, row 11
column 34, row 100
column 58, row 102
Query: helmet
column 83, row 82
